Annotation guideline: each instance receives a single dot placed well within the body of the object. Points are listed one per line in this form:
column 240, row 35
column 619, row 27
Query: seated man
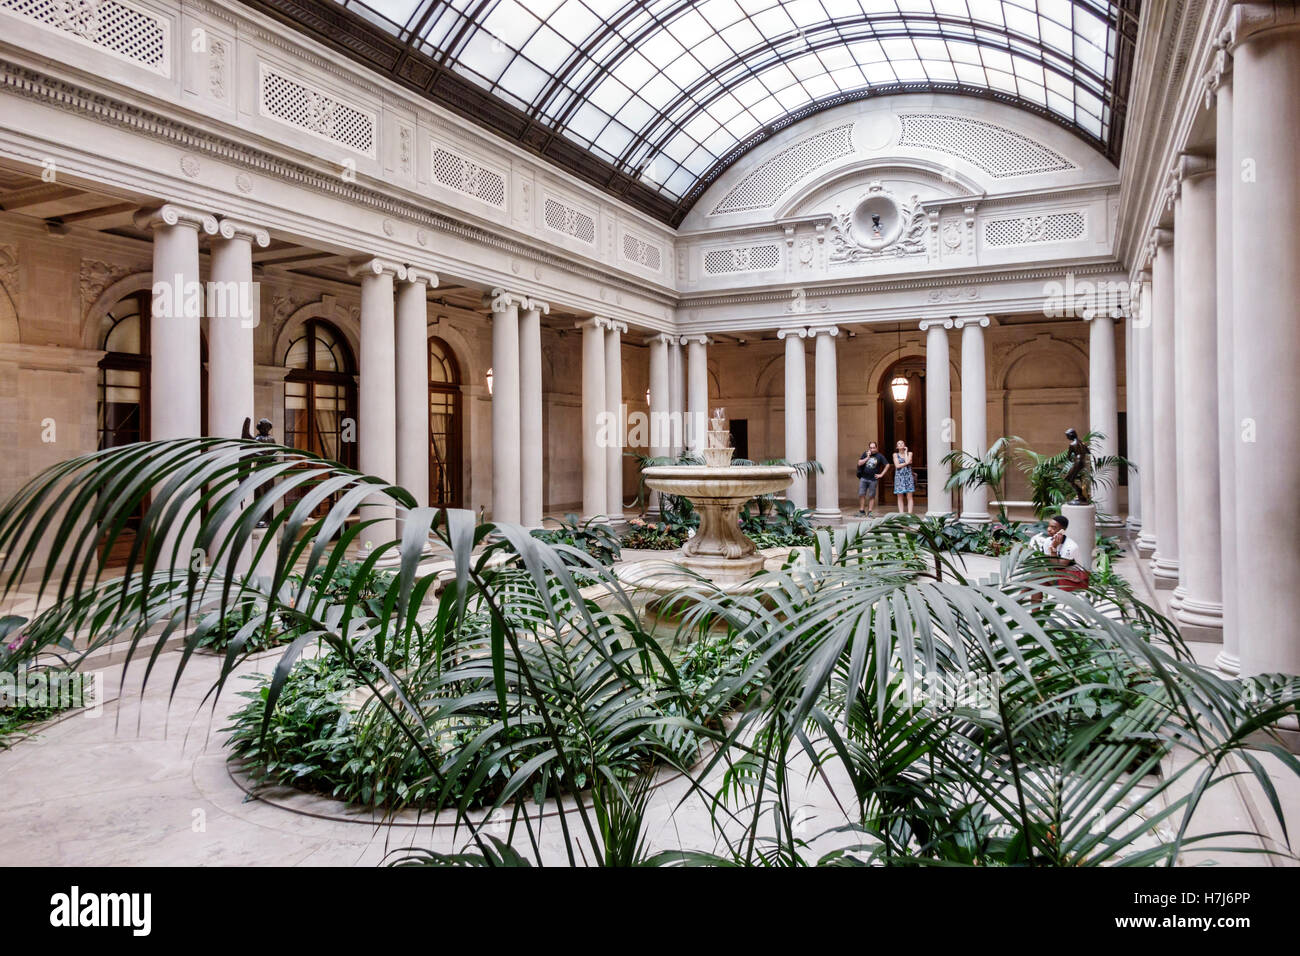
column 1059, row 546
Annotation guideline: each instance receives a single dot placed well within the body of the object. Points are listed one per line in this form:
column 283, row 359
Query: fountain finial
column 718, row 450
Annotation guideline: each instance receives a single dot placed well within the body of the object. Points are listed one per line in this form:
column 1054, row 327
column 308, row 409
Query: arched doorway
column 445, row 427
column 905, row 420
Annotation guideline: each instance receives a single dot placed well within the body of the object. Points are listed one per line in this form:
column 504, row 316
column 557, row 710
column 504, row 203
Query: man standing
column 871, row 468
column 1063, row 552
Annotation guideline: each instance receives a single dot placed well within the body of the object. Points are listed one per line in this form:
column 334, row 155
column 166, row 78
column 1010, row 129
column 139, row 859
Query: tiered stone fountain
column 718, row 490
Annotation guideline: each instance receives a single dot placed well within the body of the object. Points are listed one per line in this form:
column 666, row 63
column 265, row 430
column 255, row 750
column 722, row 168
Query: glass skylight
column 667, row 90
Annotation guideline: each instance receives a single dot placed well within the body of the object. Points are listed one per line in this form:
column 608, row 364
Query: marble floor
column 147, row 782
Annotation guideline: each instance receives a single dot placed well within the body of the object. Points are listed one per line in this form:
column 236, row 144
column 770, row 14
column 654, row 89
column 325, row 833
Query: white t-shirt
column 1069, row 551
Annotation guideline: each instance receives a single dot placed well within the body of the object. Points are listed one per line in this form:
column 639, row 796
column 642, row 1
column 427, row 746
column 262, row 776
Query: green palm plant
column 998, row 721
column 1046, row 474
column 988, row 470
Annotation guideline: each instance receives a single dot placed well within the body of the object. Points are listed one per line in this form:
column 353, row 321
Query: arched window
column 444, row 426
column 320, row 394
column 124, row 372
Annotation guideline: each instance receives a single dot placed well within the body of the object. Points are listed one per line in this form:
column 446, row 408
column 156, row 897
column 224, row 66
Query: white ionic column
column 175, row 400
column 676, row 395
column 233, row 309
column 827, row 423
column 1144, row 454
column 530, row 412
column 1218, row 93
column 697, row 392
column 796, row 410
column 412, row 381
column 1133, row 520
column 1266, row 336
column 938, row 415
column 659, row 425
column 1164, row 414
column 1196, row 372
column 506, row 484
column 974, row 411
column 377, row 429
column 1103, row 413
column 617, row 432
column 595, row 460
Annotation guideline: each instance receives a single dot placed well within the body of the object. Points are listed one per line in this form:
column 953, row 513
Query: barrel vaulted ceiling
column 653, row 100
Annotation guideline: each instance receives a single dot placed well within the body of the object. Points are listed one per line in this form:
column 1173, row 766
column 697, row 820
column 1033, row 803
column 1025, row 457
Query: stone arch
column 770, row 380
column 111, row 296
column 908, row 350
column 327, row 308
column 1040, row 347
column 9, row 330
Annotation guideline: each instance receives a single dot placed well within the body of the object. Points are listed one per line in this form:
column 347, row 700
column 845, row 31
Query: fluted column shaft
column 938, row 415
column 827, row 423
column 595, row 498
column 1266, row 335
column 1145, row 452
column 506, row 484
column 233, row 310
column 1103, row 412
column 697, row 398
column 1196, row 372
column 1133, row 423
column 974, row 412
column 659, row 405
column 530, row 413
column 1164, row 414
column 413, row 383
column 377, row 429
column 1219, row 89
column 796, row 410
column 618, row 420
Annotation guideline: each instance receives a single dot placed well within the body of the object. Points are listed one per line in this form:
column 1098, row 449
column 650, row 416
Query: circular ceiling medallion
column 877, row 130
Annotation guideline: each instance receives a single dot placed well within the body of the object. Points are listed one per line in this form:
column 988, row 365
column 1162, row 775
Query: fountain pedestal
column 719, row 550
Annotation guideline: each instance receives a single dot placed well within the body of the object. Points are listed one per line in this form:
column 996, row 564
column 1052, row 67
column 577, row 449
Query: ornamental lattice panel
column 465, row 176
column 1031, row 230
column 570, row 221
column 769, row 182
column 118, row 28
column 1002, row 153
column 642, row 253
column 314, row 111
column 760, row 258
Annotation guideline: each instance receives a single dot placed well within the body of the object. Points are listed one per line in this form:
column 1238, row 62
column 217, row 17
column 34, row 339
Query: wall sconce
column 899, row 389
column 647, row 397
column 489, row 381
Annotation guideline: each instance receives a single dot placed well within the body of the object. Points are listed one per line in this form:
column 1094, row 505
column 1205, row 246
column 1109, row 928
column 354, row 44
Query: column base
column 939, row 514
column 1111, row 523
column 1146, row 544
column 1134, row 524
column 1230, row 664
column 976, row 517
column 826, row 514
column 1176, row 599
column 1200, row 620
column 1164, row 572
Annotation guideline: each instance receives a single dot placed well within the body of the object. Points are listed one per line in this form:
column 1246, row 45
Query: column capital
column 415, row 274
column 235, row 229
column 374, row 266
column 170, row 214
column 801, row 332
column 1217, row 75
column 1161, row 237
column 595, row 322
column 661, row 338
column 1246, row 21
column 936, row 324
column 616, row 326
column 1191, row 165
column 816, row 330
column 503, row 300
column 701, row 339
column 983, row 321
column 533, row 304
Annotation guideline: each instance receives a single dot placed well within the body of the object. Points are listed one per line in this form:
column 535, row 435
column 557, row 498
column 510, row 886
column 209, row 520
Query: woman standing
column 904, row 480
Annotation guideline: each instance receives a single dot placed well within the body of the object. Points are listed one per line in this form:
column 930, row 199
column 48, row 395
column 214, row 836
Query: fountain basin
column 719, row 550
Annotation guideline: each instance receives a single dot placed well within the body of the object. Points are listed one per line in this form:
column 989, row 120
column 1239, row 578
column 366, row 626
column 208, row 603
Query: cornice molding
column 35, row 85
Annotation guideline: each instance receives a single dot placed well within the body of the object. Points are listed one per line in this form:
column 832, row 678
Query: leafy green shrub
column 592, row 536
column 644, row 536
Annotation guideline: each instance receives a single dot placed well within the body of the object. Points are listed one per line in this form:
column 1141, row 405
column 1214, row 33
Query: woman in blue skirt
column 904, row 480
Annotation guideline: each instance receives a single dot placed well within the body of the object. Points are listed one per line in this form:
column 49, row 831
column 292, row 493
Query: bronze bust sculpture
column 1079, row 474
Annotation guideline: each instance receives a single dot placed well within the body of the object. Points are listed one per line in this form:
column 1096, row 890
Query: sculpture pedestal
column 1083, row 529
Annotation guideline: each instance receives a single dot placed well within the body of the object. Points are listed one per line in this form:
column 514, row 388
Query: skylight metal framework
column 652, row 100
